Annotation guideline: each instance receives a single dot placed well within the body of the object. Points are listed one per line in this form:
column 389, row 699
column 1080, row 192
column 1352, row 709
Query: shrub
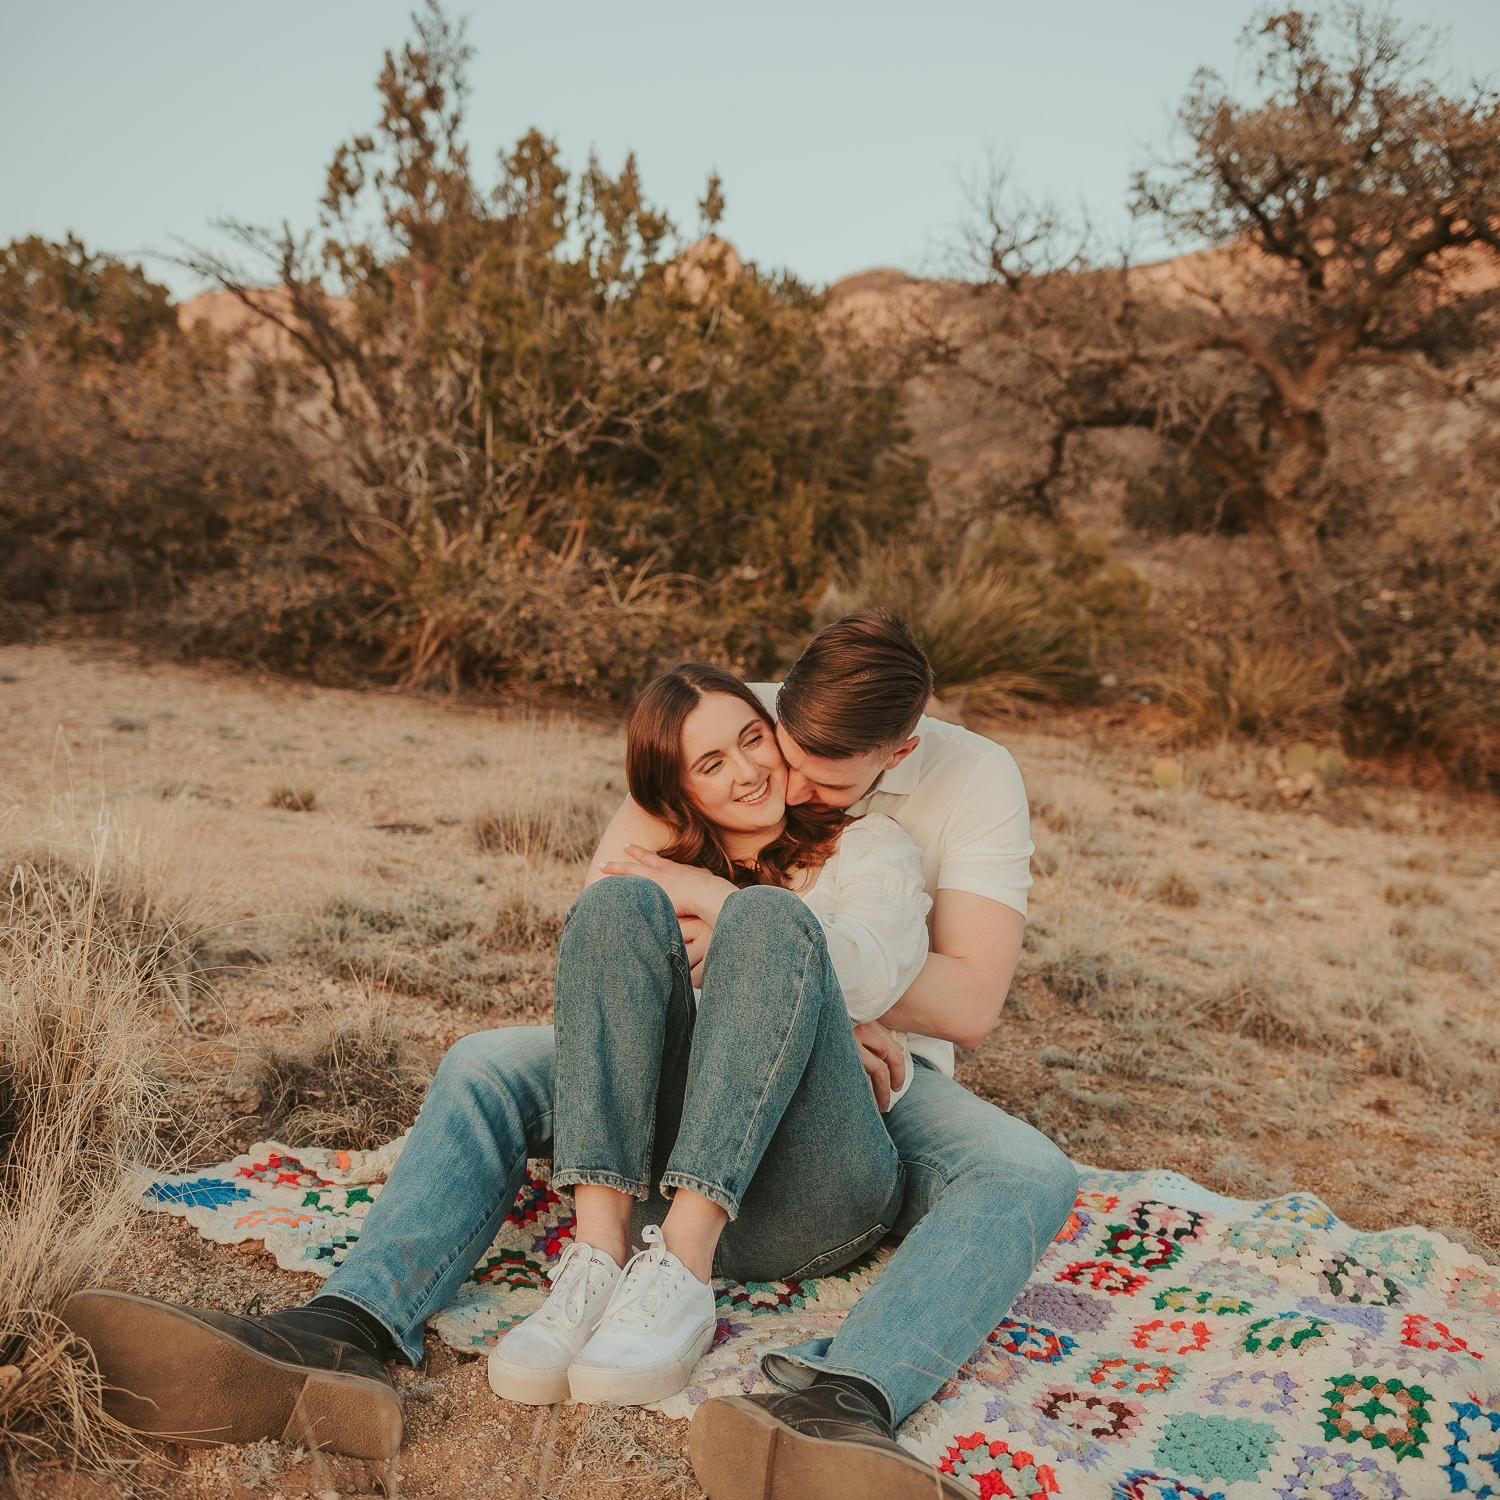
column 1247, row 685
column 1421, row 596
column 351, row 1079
column 1010, row 615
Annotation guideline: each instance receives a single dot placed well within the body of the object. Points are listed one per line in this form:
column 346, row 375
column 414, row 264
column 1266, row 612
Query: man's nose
column 798, row 788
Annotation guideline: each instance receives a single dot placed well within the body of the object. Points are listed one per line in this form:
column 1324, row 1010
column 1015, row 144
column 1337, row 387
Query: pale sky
column 843, row 131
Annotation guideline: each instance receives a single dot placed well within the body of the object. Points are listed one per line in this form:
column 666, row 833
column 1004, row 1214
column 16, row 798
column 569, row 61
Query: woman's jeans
column 984, row 1195
column 758, row 1102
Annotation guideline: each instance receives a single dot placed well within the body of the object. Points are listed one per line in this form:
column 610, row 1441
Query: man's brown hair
column 860, row 685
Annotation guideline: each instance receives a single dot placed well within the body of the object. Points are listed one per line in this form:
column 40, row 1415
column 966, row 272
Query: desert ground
column 1260, row 984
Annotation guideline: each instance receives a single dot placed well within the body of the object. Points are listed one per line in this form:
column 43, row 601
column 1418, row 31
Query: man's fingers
column 897, row 1060
column 878, row 1070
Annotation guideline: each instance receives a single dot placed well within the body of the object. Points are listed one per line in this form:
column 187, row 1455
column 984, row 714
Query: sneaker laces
column 568, row 1307
column 638, row 1294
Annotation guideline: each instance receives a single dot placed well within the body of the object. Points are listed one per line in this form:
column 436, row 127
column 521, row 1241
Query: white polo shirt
column 961, row 799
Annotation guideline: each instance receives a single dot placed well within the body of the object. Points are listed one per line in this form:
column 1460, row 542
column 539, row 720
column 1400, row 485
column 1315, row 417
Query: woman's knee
column 619, row 905
column 761, row 913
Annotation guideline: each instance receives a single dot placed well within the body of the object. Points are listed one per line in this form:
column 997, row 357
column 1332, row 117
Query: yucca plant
column 1239, row 685
column 1003, row 615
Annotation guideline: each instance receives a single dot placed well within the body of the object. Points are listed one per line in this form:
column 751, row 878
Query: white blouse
column 872, row 903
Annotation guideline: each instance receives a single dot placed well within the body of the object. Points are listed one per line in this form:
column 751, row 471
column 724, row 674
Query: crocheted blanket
column 1172, row 1344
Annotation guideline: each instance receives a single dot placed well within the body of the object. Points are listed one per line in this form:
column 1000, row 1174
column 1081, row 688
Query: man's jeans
column 984, row 1195
column 757, row 1100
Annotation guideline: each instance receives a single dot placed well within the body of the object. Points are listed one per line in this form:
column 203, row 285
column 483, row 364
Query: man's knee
column 483, row 1061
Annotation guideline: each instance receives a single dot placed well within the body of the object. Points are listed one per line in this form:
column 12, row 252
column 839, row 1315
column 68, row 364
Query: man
column 985, row 1192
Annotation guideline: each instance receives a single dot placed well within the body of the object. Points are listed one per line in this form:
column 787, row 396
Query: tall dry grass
column 1236, row 685
column 1000, row 633
column 83, row 1090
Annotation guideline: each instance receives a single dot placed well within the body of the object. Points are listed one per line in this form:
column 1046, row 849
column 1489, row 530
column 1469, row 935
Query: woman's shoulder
column 876, row 835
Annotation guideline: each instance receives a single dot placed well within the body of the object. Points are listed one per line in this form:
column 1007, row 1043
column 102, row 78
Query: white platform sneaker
column 531, row 1362
column 658, row 1325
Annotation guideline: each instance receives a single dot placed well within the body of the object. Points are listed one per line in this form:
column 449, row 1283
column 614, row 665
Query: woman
column 745, row 1101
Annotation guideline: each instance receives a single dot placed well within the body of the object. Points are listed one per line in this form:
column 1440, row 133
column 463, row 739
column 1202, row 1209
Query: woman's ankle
column 617, row 1247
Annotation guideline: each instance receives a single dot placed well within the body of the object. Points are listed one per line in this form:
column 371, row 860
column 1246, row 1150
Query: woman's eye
column 755, row 739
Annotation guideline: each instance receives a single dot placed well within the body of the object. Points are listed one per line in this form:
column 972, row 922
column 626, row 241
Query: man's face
column 819, row 782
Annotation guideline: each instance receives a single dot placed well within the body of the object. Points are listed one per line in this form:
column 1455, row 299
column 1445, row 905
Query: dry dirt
column 1363, row 913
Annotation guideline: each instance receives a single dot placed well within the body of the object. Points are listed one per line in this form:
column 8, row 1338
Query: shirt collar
column 901, row 780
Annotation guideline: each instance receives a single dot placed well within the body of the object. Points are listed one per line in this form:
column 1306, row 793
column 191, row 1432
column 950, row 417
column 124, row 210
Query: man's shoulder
column 766, row 692
column 953, row 750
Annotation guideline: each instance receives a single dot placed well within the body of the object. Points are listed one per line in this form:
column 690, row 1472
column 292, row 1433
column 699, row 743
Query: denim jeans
column 984, row 1194
column 756, row 1099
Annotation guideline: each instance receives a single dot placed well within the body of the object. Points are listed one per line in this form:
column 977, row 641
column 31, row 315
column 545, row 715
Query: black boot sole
column 172, row 1376
column 740, row 1451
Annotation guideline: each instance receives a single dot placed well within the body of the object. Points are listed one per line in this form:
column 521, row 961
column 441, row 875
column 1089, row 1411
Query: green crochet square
column 1380, row 1411
column 1227, row 1448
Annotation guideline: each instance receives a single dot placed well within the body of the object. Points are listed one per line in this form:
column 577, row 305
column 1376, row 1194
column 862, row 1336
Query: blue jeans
column 756, row 1099
column 984, row 1195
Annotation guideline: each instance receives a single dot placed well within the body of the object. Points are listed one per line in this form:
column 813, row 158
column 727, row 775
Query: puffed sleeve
column 875, row 919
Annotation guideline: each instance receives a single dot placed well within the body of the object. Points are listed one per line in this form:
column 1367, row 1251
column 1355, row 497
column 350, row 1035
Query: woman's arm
column 874, row 919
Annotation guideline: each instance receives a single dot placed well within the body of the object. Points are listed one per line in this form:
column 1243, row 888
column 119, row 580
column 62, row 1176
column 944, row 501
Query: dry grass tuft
column 553, row 826
column 421, row 942
column 1237, row 686
column 82, row 1093
column 1257, row 997
column 293, row 798
column 351, row 1079
column 997, row 638
column 1175, row 889
column 524, row 924
column 1415, row 893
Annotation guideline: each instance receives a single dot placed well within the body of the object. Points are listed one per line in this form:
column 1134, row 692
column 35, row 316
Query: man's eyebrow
column 709, row 754
column 829, row 786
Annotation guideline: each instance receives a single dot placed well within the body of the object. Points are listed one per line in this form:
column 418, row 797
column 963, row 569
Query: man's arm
column 631, row 824
column 976, row 944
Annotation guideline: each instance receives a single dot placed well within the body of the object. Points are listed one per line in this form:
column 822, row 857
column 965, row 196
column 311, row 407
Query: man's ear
column 901, row 752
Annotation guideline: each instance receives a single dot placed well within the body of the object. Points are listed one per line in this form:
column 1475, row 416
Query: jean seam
column 712, row 1191
column 849, row 1248
column 601, row 1177
column 786, row 1042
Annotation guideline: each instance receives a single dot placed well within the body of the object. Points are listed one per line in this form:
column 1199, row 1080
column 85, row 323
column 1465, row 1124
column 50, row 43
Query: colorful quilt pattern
column 1172, row 1344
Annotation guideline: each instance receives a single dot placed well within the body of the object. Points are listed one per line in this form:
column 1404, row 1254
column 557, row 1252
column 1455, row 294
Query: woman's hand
column 694, row 892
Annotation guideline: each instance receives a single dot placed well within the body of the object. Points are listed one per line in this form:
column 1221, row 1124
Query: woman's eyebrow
column 709, row 754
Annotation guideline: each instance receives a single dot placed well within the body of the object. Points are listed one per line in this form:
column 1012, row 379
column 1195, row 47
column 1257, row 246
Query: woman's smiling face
column 733, row 772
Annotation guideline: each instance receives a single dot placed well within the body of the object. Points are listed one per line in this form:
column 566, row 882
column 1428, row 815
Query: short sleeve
column 875, row 918
column 987, row 848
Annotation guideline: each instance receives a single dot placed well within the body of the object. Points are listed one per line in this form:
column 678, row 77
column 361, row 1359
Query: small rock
column 1167, row 773
column 1301, row 759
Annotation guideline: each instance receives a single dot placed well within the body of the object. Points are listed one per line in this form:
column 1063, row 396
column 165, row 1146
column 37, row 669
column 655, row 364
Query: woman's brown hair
column 655, row 773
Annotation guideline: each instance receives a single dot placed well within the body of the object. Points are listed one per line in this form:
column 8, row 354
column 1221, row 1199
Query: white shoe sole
column 524, row 1383
column 648, row 1383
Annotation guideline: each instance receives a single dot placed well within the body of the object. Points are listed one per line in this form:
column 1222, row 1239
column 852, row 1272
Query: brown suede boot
column 824, row 1443
column 197, row 1376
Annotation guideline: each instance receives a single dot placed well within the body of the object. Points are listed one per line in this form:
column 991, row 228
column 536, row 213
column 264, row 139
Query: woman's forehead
column 715, row 723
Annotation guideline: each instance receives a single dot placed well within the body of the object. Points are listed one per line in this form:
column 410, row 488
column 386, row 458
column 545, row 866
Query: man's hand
column 884, row 1059
column 696, row 936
